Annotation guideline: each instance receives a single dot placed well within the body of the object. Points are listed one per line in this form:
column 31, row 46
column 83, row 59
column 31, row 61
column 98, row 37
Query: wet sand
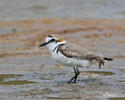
column 28, row 73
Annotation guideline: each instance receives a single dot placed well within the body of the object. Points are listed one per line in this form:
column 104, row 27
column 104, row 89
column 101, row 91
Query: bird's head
column 56, row 39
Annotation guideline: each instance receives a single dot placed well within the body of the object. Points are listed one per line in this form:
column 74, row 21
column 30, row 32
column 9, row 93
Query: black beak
column 44, row 44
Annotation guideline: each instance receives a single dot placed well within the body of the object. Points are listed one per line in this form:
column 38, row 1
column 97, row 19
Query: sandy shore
column 18, row 37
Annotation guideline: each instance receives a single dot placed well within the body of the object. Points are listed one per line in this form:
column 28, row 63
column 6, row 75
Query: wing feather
column 74, row 51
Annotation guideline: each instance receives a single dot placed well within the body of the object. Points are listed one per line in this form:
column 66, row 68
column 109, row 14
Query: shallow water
column 28, row 72
column 102, row 73
column 11, row 79
column 49, row 81
column 117, row 98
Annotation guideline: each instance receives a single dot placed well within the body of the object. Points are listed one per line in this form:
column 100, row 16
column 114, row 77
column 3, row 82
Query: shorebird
column 67, row 53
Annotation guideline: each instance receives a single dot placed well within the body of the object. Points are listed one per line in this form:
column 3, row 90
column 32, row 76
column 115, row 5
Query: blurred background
column 35, row 9
column 27, row 72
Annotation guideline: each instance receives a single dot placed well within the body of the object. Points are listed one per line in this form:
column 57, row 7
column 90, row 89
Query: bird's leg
column 73, row 76
column 76, row 70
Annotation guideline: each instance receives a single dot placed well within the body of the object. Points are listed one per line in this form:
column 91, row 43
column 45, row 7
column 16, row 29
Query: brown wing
column 74, row 51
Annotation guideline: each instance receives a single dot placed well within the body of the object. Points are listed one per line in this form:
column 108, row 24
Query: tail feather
column 101, row 60
column 108, row 59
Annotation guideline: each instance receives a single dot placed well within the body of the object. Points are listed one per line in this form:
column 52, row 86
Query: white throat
column 53, row 46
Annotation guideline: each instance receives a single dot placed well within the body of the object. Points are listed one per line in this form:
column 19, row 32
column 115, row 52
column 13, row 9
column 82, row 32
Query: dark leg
column 73, row 76
column 76, row 70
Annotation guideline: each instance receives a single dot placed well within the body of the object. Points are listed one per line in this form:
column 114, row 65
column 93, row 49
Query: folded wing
column 74, row 51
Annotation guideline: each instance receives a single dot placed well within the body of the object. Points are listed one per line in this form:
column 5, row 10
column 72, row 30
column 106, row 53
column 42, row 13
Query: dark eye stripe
column 52, row 40
column 49, row 36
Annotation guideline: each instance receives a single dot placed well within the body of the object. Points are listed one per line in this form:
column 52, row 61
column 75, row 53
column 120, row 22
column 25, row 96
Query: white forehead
column 48, row 39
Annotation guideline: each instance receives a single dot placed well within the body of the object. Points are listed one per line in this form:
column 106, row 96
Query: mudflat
column 28, row 72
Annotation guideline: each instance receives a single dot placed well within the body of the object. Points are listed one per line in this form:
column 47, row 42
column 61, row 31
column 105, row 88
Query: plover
column 67, row 53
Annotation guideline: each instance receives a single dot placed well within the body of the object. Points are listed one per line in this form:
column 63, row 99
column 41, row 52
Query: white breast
column 64, row 60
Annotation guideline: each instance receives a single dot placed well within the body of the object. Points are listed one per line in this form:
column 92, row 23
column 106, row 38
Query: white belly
column 70, row 61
